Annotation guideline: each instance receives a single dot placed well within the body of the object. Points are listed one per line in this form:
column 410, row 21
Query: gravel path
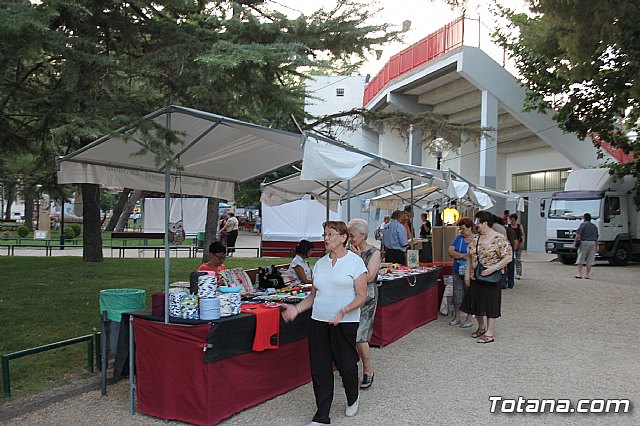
column 559, row 337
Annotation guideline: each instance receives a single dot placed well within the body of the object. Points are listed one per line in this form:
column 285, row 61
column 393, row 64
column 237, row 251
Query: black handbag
column 494, row 278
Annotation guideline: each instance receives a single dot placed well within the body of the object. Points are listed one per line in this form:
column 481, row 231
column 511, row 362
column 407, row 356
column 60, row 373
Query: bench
column 9, row 225
column 144, row 237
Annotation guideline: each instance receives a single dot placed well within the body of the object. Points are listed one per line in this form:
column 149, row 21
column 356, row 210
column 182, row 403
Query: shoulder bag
column 494, row 278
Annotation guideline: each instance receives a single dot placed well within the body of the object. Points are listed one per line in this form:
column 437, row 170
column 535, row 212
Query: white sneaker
column 352, row 409
column 315, row 424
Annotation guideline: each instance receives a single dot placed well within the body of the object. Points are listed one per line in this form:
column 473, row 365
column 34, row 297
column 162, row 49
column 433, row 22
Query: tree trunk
column 117, row 209
column 28, row 208
column 211, row 226
column 92, row 236
column 10, row 195
column 127, row 209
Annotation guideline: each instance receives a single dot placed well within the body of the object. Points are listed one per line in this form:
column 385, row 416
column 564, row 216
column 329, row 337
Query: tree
column 73, row 70
column 580, row 59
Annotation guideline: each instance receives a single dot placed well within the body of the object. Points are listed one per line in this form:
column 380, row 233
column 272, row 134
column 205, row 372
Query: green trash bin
column 116, row 301
column 200, row 241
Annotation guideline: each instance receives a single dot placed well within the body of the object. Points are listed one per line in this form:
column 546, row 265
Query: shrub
column 77, row 229
column 23, row 231
column 6, row 235
column 69, row 233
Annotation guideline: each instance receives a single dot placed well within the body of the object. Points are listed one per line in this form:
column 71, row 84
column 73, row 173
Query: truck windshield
column 574, row 209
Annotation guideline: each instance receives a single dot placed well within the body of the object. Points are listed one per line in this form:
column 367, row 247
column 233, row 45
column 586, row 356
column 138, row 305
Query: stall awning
column 215, row 153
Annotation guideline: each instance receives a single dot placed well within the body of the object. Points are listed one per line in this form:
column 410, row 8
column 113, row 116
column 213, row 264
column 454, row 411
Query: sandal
column 479, row 332
column 485, row 339
column 578, row 277
column 367, row 381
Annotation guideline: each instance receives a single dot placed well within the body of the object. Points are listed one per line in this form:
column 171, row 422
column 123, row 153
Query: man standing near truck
column 586, row 241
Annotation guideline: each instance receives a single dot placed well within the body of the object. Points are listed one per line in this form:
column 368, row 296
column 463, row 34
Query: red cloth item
column 157, row 303
column 174, row 383
column 267, row 325
column 398, row 319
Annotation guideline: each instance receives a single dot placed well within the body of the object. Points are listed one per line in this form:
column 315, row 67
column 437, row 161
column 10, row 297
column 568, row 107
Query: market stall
column 208, row 371
column 405, row 303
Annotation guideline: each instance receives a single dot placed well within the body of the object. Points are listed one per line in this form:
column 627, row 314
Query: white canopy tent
column 335, row 172
column 214, row 154
column 454, row 189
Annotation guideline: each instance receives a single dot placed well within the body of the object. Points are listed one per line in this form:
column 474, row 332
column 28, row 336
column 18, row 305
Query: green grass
column 48, row 299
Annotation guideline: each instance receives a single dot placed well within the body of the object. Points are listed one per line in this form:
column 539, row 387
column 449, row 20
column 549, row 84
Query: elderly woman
column 358, row 232
column 487, row 256
column 339, row 290
column 458, row 250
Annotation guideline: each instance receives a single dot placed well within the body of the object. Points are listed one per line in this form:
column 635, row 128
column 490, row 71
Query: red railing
column 617, row 153
column 435, row 44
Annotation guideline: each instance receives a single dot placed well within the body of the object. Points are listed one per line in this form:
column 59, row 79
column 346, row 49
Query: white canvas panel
column 330, row 163
column 193, row 212
column 299, row 220
column 118, row 178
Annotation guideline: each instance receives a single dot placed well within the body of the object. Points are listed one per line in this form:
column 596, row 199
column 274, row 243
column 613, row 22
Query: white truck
column 613, row 211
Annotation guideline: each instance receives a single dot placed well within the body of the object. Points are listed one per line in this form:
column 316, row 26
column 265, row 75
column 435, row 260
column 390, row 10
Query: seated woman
column 299, row 269
column 218, row 254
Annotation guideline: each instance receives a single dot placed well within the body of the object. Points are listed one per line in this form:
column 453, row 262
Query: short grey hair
column 361, row 226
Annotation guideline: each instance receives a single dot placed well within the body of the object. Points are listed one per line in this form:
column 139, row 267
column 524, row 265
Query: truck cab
column 612, row 212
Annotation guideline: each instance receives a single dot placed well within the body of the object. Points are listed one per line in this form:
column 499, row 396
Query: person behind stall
column 458, row 250
column 218, row 254
column 358, row 232
column 222, row 234
column 395, row 240
column 508, row 278
column 520, row 236
column 483, row 298
column 505, row 217
column 339, row 290
column 425, row 228
column 299, row 268
column 231, row 228
column 258, row 225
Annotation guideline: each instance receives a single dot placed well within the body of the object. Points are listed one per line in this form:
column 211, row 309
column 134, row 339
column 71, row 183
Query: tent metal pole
column 411, row 214
column 328, row 189
column 132, row 379
column 167, row 208
column 348, row 200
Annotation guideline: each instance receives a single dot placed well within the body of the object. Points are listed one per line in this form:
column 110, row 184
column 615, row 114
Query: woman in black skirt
column 493, row 252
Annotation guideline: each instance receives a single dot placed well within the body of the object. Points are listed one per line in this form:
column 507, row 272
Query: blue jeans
column 508, row 279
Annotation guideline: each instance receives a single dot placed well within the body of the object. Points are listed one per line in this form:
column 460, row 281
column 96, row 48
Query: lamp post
column 437, row 148
column 62, row 239
column 39, row 187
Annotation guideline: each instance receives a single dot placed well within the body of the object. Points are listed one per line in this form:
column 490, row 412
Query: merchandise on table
column 189, row 307
column 229, row 304
column 207, row 285
column 176, row 295
column 393, row 271
column 209, row 308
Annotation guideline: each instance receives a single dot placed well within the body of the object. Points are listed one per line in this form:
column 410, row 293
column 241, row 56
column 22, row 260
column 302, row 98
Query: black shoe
column 366, row 381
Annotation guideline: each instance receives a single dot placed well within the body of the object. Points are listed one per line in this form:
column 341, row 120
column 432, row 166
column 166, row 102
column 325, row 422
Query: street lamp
column 437, row 148
column 39, row 188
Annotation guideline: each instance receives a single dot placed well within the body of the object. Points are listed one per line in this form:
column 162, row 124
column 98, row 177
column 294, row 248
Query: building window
column 340, row 92
column 550, row 180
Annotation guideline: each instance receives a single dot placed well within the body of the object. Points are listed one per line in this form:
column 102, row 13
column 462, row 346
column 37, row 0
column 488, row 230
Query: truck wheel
column 567, row 259
column 621, row 255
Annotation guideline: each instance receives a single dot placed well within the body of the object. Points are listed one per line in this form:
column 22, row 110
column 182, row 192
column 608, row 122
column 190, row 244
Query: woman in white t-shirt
column 299, row 269
column 339, row 290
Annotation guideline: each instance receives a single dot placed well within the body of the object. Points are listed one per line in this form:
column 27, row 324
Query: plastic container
column 118, row 300
column 200, row 240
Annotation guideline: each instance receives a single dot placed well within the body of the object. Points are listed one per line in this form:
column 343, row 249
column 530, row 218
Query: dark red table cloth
column 174, row 382
column 404, row 305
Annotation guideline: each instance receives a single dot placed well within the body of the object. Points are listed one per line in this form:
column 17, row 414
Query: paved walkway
column 558, row 337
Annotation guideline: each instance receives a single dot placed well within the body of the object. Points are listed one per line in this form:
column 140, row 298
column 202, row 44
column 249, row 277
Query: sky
column 426, row 16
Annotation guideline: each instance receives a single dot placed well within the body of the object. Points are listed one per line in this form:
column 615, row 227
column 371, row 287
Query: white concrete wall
column 534, row 160
column 394, row 147
column 321, row 94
